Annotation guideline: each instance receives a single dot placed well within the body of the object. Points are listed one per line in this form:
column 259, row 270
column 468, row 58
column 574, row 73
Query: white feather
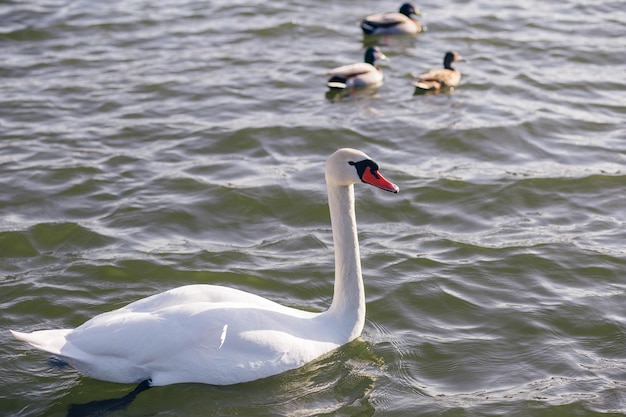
column 219, row 335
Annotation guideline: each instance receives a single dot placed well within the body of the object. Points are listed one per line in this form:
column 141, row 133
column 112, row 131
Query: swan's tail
column 50, row 341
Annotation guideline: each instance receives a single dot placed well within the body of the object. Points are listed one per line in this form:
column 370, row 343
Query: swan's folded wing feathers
column 136, row 334
column 124, row 333
column 198, row 293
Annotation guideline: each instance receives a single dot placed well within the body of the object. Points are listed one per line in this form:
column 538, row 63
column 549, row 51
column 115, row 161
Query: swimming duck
column 360, row 74
column 219, row 335
column 403, row 22
column 439, row 78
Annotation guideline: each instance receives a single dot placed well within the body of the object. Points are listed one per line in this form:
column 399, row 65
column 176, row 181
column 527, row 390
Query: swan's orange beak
column 376, row 179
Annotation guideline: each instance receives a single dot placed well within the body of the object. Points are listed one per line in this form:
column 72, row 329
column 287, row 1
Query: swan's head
column 350, row 166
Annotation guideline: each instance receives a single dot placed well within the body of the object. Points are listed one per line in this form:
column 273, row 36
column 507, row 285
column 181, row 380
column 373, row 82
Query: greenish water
column 147, row 145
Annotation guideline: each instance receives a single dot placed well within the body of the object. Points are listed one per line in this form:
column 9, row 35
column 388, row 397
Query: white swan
column 217, row 335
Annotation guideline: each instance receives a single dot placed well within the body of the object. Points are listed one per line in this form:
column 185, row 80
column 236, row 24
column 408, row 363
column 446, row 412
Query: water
column 147, row 145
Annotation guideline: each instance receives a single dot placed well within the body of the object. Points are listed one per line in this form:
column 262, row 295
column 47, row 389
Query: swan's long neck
column 348, row 306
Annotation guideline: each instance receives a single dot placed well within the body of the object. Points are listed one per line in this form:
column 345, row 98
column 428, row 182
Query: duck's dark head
column 373, row 54
column 409, row 10
column 450, row 58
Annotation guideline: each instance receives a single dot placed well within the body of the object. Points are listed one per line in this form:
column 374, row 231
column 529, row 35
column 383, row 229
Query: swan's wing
column 127, row 334
column 204, row 326
column 169, row 338
column 128, row 325
column 200, row 293
column 212, row 343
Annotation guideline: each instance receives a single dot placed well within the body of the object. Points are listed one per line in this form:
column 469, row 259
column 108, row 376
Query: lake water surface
column 146, row 145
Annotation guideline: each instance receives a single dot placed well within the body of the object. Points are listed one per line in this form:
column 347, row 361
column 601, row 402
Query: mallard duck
column 438, row 78
column 359, row 74
column 403, row 22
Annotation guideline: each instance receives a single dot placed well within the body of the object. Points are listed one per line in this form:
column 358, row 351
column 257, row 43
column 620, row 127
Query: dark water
column 146, row 145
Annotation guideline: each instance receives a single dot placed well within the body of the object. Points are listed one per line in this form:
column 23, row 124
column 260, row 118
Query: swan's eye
column 361, row 166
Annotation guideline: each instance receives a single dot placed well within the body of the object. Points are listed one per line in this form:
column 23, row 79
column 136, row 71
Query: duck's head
column 350, row 166
column 410, row 11
column 449, row 58
column 373, row 54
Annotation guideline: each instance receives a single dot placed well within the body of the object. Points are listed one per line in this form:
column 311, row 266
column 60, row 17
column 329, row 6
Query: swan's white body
column 218, row 335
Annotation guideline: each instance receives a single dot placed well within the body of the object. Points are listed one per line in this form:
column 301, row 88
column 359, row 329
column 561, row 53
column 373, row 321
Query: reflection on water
column 339, row 384
column 359, row 93
column 106, row 407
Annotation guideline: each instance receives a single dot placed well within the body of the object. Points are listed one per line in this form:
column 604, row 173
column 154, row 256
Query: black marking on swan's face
column 361, row 166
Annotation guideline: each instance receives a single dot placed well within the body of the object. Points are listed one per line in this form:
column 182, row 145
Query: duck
column 403, row 22
column 440, row 78
column 219, row 335
column 359, row 74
